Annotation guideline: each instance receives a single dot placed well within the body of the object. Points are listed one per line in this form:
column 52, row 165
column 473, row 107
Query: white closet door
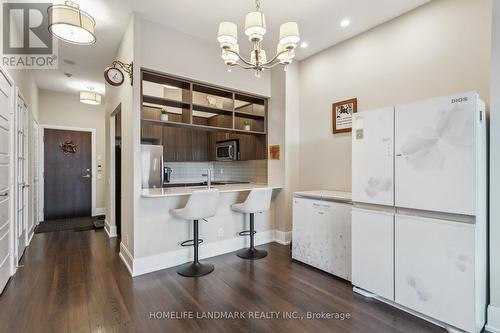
column 373, row 252
column 435, row 154
column 373, row 157
column 6, row 92
column 435, row 269
column 22, row 177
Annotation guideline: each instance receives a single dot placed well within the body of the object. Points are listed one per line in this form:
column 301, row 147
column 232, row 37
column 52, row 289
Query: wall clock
column 114, row 76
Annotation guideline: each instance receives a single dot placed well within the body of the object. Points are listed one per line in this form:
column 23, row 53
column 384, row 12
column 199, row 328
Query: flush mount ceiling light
column 90, row 97
column 255, row 29
column 70, row 24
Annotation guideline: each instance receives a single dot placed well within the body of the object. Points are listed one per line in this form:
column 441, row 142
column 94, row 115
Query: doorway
column 118, row 168
column 68, row 184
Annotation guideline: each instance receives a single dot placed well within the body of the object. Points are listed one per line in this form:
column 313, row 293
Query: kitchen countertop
column 325, row 195
column 179, row 191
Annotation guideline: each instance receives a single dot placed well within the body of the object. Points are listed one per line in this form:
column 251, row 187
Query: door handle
column 25, row 186
column 87, row 176
column 6, row 194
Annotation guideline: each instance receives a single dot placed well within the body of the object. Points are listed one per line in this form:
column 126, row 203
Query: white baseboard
column 100, row 211
column 493, row 322
column 173, row 258
column 110, row 229
column 127, row 258
column 282, row 237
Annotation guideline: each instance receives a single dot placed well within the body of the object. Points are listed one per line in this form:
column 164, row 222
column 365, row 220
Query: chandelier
column 255, row 29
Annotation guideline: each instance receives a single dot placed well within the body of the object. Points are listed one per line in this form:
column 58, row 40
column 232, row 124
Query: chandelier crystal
column 255, row 29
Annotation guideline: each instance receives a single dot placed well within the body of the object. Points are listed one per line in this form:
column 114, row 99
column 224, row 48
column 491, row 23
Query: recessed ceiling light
column 345, row 23
column 304, row 45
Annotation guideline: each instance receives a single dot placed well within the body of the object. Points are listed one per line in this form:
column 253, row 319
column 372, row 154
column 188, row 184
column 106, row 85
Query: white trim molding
column 100, row 211
column 493, row 322
column 144, row 265
column 127, row 258
column 282, row 237
column 93, row 166
column 110, row 229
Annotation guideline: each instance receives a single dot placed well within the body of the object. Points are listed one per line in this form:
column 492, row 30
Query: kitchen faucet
column 209, row 178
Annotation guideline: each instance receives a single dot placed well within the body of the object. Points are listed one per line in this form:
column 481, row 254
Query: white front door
column 6, row 91
column 22, row 176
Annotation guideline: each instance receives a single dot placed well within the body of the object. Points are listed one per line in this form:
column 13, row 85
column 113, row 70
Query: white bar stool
column 201, row 205
column 258, row 200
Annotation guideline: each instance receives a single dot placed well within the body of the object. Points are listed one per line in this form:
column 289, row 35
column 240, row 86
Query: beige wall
column 65, row 109
column 440, row 48
column 494, row 308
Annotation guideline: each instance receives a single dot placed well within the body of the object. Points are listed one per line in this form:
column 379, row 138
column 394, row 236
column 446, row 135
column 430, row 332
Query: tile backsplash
column 244, row 171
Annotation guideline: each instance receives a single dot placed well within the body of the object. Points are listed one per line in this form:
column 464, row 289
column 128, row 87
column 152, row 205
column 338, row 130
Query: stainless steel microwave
column 227, row 150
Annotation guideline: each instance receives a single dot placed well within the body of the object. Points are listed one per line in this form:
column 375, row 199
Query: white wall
column 440, row 48
column 176, row 53
column 494, row 308
column 64, row 109
column 114, row 96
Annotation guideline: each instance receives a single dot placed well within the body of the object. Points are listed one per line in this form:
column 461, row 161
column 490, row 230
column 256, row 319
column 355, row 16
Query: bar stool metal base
column 251, row 254
column 195, row 269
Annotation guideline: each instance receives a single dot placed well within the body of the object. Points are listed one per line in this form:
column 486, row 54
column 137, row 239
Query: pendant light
column 70, row 24
column 90, row 97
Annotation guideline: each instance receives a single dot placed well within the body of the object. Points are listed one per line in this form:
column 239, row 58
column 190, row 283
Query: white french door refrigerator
column 419, row 217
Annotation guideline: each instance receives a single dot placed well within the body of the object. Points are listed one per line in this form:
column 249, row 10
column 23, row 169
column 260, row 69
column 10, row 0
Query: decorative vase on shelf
column 164, row 115
column 246, row 126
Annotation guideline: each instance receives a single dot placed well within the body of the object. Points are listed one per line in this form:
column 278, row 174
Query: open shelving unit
column 228, row 111
column 199, row 115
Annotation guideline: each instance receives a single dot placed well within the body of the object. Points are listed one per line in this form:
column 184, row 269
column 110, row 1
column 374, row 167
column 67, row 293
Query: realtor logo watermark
column 27, row 42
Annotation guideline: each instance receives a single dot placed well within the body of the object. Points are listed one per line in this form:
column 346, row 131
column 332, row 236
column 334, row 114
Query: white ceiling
column 319, row 22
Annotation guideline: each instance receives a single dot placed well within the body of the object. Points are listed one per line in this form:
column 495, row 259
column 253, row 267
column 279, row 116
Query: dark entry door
column 67, row 174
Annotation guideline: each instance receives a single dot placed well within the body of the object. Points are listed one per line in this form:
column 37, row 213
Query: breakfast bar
column 157, row 240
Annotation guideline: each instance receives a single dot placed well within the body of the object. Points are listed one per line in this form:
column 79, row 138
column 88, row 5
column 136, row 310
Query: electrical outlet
column 221, row 171
column 221, row 232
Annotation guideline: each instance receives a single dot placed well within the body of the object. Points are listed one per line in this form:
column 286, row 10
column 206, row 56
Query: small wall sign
column 274, row 152
column 342, row 113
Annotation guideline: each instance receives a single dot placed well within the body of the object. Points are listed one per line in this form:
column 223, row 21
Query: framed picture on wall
column 342, row 115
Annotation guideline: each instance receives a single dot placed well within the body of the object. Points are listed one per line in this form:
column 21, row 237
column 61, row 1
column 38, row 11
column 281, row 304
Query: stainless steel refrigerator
column 152, row 166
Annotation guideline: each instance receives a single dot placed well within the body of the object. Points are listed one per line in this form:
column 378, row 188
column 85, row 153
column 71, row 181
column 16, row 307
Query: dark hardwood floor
column 75, row 282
